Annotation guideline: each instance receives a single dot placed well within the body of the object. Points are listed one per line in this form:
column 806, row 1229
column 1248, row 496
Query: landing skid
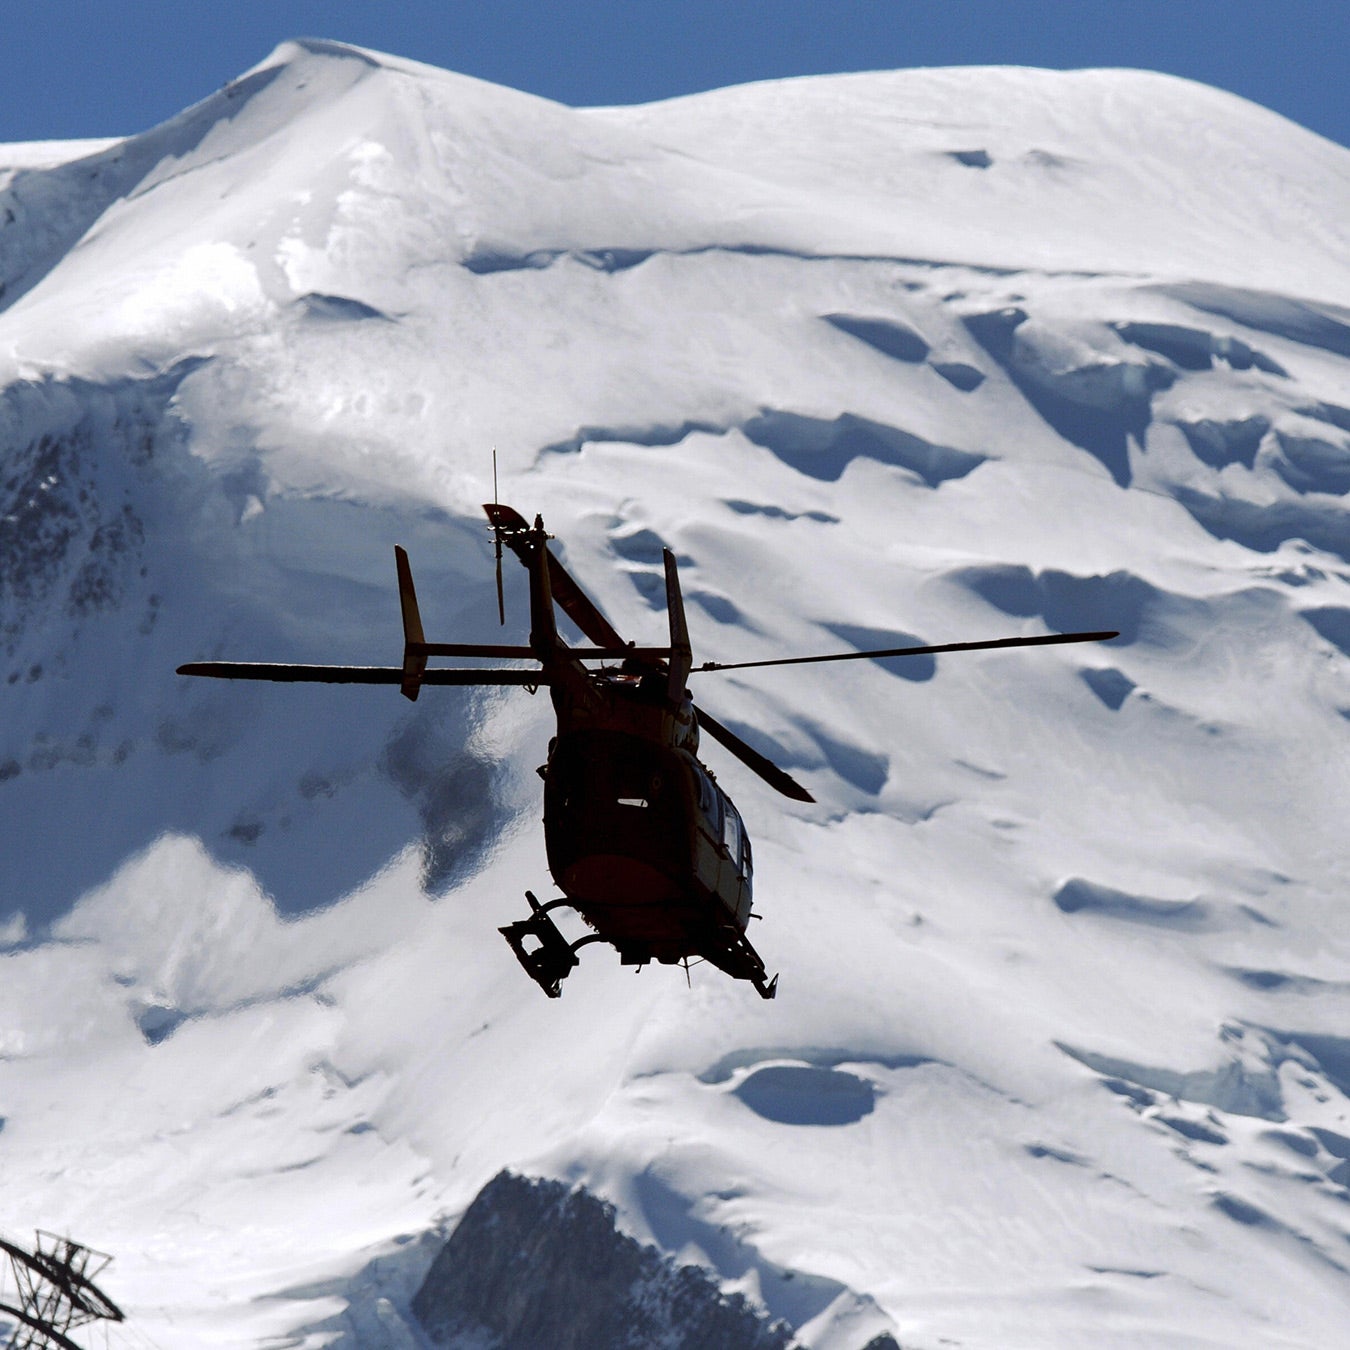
column 554, row 959
column 550, row 958
column 746, row 965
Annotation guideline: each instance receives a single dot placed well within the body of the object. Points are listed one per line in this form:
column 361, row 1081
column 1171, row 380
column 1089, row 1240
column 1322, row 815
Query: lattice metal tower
column 54, row 1292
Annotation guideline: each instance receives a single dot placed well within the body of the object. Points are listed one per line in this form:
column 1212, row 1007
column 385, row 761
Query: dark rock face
column 77, row 468
column 534, row 1265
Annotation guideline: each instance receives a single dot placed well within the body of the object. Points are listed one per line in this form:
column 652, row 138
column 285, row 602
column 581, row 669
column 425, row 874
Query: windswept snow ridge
column 1059, row 1056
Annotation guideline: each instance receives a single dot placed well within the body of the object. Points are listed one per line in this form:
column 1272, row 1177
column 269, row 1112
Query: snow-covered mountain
column 1061, row 1051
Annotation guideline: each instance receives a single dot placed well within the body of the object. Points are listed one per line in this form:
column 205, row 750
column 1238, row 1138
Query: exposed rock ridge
column 535, row 1265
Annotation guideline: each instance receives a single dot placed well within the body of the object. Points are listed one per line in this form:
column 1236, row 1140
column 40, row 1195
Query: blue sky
column 109, row 67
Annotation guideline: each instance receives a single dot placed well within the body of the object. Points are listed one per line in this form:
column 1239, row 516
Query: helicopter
column 644, row 843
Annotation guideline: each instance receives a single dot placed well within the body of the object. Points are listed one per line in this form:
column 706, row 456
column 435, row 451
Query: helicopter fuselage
column 645, row 845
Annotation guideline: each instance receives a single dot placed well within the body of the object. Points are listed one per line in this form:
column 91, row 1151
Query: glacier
column 1061, row 1052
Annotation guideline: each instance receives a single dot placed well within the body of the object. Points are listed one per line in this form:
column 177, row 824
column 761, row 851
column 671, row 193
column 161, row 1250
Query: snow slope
column 1059, row 1056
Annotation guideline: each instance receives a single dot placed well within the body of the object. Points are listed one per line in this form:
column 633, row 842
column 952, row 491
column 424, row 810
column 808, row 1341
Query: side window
column 708, row 803
column 731, row 832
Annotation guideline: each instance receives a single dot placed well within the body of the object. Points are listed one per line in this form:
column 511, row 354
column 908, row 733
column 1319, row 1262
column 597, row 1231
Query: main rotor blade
column 578, row 606
column 262, row 670
column 1049, row 640
column 752, row 759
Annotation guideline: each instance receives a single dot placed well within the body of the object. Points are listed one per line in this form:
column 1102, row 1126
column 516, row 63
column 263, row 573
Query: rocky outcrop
column 535, row 1265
